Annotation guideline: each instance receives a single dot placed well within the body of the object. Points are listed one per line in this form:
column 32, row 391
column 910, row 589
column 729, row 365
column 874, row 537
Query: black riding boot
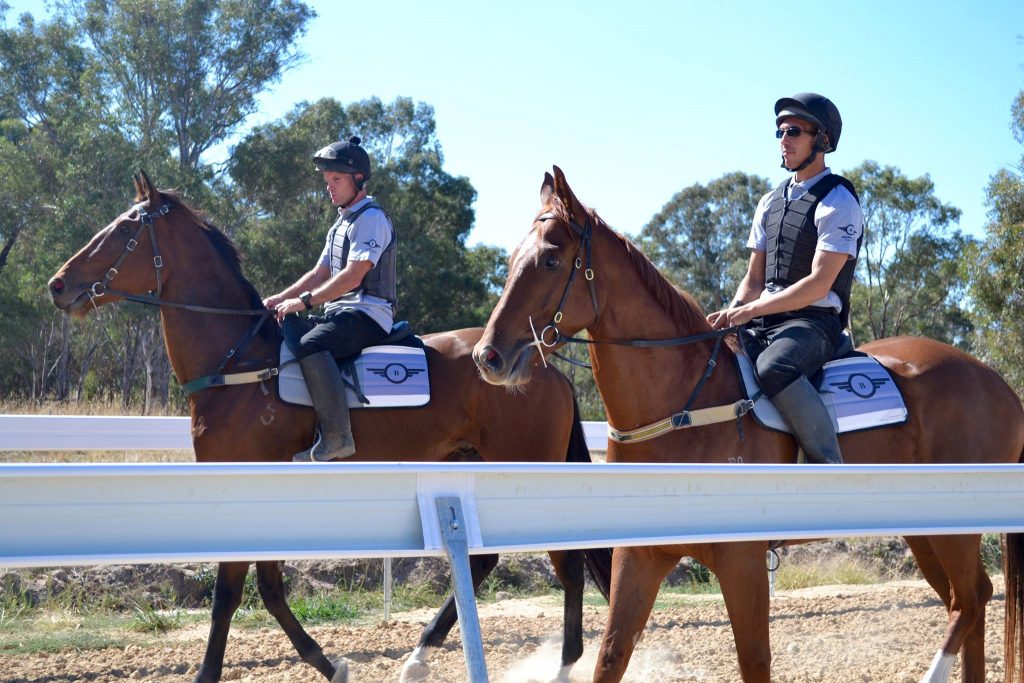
column 327, row 389
column 810, row 421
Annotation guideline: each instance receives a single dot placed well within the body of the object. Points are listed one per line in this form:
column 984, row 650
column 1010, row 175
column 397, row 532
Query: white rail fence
column 183, row 512
column 108, row 433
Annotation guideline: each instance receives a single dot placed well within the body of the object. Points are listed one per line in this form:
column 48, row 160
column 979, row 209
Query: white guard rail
column 83, row 433
column 96, row 514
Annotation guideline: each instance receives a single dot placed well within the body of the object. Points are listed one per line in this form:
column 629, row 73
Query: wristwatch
column 307, row 299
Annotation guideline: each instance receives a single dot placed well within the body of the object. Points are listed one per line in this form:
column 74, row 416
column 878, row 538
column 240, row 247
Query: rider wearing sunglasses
column 804, row 242
column 355, row 280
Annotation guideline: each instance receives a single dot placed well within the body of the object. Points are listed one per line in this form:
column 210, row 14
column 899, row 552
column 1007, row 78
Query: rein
column 102, row 287
column 681, row 420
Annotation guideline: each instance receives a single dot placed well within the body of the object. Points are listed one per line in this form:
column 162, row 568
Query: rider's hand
column 730, row 316
column 271, row 302
column 289, row 306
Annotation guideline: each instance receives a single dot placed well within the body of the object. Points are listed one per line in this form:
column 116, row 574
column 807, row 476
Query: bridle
column 681, row 420
column 585, row 232
column 152, row 298
column 146, row 220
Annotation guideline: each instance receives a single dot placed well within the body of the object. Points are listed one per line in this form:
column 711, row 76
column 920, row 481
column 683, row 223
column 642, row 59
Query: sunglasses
column 791, row 132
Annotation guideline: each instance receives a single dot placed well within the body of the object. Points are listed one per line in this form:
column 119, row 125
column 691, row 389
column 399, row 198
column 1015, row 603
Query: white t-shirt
column 837, row 217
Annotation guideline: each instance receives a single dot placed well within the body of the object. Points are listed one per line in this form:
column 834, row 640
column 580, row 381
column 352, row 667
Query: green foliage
column 909, row 279
column 698, row 239
column 146, row 618
column 187, row 72
column 85, row 99
column 996, row 269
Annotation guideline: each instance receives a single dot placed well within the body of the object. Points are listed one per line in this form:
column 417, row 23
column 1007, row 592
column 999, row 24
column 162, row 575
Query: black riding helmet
column 345, row 156
column 817, row 110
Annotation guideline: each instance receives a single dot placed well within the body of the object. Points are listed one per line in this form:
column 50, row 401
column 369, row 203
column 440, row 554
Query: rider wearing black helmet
column 804, row 242
column 355, row 279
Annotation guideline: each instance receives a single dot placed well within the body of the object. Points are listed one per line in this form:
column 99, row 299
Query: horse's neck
column 640, row 385
column 198, row 343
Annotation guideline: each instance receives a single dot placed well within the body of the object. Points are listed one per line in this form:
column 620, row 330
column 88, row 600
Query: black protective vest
column 792, row 238
column 382, row 280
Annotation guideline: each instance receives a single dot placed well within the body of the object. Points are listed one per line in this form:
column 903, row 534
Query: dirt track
column 884, row 633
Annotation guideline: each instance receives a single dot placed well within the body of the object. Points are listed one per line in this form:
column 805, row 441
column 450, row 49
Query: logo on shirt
column 849, row 231
column 373, row 245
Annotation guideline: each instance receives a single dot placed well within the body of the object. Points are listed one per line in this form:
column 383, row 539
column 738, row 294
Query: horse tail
column 598, row 560
column 1013, row 639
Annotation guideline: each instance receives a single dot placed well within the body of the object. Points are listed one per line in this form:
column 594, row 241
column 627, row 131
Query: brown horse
column 191, row 269
column 960, row 411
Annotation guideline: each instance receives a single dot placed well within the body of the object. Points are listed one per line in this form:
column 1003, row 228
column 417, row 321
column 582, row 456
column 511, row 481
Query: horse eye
column 552, row 262
column 123, row 229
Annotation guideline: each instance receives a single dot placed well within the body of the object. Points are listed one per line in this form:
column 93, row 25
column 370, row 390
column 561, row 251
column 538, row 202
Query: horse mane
column 677, row 303
column 222, row 244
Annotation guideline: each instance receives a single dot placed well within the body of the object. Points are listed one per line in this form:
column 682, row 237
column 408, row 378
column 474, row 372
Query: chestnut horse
column 960, row 411
column 160, row 251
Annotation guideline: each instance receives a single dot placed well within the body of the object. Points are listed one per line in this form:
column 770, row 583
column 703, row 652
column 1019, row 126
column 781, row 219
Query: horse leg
column 227, row 596
column 270, row 581
column 568, row 565
column 930, row 566
column 637, row 574
column 743, row 578
column 969, row 591
column 416, row 667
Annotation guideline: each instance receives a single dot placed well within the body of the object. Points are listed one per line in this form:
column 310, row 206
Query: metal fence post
column 453, row 534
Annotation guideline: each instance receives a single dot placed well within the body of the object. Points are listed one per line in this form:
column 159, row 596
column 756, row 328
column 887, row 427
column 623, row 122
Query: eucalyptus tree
column 909, row 279
column 996, row 268
column 698, row 239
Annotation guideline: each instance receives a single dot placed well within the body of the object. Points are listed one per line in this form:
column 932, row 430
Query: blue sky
column 637, row 100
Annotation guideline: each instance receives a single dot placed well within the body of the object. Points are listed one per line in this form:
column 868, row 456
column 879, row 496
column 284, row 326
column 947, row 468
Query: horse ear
column 564, row 192
column 547, row 189
column 138, row 187
column 145, row 190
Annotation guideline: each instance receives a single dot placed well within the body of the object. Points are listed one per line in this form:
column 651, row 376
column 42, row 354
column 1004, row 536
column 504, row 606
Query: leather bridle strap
column 145, row 221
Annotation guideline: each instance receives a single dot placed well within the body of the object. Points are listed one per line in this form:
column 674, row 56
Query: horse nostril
column 56, row 285
column 492, row 359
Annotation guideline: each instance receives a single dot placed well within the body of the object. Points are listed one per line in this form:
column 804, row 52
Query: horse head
column 550, row 291
column 124, row 253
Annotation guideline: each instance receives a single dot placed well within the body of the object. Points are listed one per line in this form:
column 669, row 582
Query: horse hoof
column 205, row 675
column 414, row 670
column 340, row 672
column 562, row 676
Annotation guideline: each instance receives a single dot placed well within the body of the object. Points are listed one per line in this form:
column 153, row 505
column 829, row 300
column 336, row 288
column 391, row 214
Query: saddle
column 390, row 374
column 857, row 390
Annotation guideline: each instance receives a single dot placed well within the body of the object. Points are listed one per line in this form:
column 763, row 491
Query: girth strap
column 683, row 420
column 221, row 380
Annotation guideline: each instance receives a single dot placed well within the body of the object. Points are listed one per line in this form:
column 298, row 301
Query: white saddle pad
column 388, row 376
column 858, row 392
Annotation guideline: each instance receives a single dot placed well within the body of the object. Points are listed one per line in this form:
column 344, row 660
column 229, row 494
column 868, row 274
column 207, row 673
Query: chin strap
column 807, row 162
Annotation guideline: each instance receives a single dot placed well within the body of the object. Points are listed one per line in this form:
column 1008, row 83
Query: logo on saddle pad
column 396, row 373
column 861, row 385
column 857, row 392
